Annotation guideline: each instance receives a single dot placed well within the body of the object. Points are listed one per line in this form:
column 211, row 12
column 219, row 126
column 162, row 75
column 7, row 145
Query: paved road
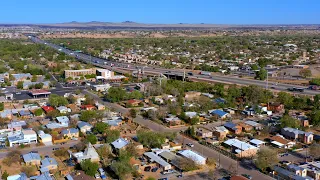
column 124, row 67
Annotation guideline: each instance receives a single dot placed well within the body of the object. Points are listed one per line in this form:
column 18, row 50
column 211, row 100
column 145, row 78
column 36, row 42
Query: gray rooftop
column 31, row 157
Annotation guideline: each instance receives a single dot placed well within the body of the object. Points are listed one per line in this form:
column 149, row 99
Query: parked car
column 167, row 172
column 155, row 169
column 247, row 176
column 148, row 168
column 97, row 175
column 190, row 145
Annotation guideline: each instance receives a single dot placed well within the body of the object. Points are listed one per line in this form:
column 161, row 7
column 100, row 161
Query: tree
column 286, row 99
column 101, row 127
column 12, row 157
column 133, row 113
column 20, row 85
column 314, row 150
column 4, row 175
column 150, row 139
column 288, row 121
column 315, row 117
column 219, row 89
column 56, row 100
column 88, row 115
column 90, row 168
column 92, row 139
column 89, row 100
column 193, row 120
column 262, row 74
column 131, row 149
column 34, row 78
column 186, row 164
column 122, row 169
column 266, row 157
column 112, row 135
column 254, row 67
column 61, row 152
column 29, row 170
column 1, row 106
column 38, row 85
column 38, row 112
column 305, row 73
column 116, row 94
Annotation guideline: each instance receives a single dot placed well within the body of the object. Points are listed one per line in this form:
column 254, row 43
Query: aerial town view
column 166, row 90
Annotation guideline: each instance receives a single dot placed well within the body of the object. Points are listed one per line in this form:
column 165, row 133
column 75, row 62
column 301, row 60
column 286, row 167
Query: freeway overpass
column 126, row 67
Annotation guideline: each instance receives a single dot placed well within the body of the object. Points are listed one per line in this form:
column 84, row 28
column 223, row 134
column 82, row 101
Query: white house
column 84, row 127
column 193, row 156
column 62, row 122
column 45, row 138
column 24, row 137
column 63, row 109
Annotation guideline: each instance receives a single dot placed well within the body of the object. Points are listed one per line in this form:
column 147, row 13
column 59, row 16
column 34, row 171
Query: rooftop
column 120, row 143
column 239, row 144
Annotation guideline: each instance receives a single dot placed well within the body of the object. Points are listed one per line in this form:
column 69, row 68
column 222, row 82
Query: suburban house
column 31, row 158
column 198, row 159
column 89, row 153
column 234, row 128
column 255, row 125
column 220, row 132
column 276, row 107
column 48, row 164
column 24, row 137
column 190, row 114
column 70, row 133
column 295, row 134
column 152, row 157
column 245, row 127
column 21, row 176
column 241, row 149
column 133, row 103
column 280, row 142
column 46, row 139
column 289, row 174
column 88, row 107
column 16, row 125
column 84, row 127
column 62, row 122
column 47, row 109
column 119, row 144
column 219, row 113
column 63, row 109
column 257, row 143
column 173, row 120
column 203, row 133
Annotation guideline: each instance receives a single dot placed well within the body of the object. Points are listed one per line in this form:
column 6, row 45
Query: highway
column 124, row 67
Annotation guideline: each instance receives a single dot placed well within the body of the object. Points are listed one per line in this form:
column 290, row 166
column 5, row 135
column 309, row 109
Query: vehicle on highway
column 179, row 176
column 56, row 148
column 295, row 89
column 247, row 176
column 205, row 73
column 190, row 144
column 314, row 87
column 272, row 87
column 18, row 92
column 190, row 73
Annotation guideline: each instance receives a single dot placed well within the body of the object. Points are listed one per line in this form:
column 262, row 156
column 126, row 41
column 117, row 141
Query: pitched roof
column 71, row 131
column 82, row 124
column 30, row 157
column 119, row 143
column 219, row 112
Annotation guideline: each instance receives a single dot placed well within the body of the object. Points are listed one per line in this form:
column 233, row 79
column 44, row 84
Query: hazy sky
column 162, row 11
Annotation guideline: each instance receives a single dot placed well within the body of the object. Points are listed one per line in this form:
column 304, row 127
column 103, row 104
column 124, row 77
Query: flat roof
column 157, row 159
column 39, row 92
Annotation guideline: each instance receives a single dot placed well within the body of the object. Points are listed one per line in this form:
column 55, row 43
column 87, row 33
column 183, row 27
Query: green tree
column 88, row 115
column 193, row 120
column 266, row 157
column 286, row 99
column 4, row 175
column 116, row 94
column 315, row 81
column 92, row 138
column 89, row 100
column 151, row 139
column 262, row 74
column 56, row 100
column 90, row 168
column 20, row 85
column 219, row 89
column 254, row 67
column 34, row 78
column 133, row 113
column 101, row 127
column 29, row 170
column 38, row 85
column 1, row 106
column 112, row 135
column 315, row 117
column 288, row 121
column 38, row 112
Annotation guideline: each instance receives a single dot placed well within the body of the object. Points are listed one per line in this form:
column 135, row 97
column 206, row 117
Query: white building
column 62, row 122
column 24, row 137
column 101, row 87
column 89, row 153
column 193, row 156
column 46, row 139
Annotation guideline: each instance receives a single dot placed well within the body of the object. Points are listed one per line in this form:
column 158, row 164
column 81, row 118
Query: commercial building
column 101, row 87
column 77, row 73
column 104, row 74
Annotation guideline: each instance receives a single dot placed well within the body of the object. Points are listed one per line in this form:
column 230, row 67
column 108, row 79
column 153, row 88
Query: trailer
column 206, row 73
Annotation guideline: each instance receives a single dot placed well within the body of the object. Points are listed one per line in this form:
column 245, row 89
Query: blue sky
column 162, row 11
